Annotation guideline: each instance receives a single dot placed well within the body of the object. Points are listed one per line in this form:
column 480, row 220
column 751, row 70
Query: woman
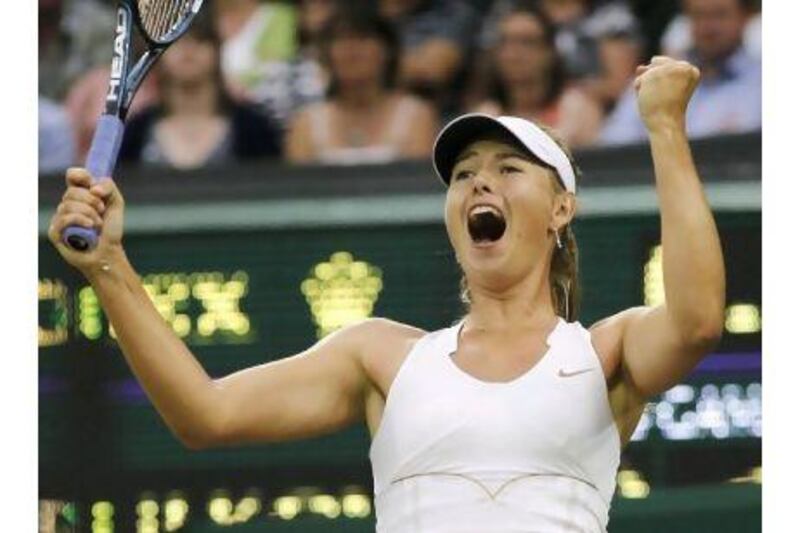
column 529, row 80
column 365, row 119
column 510, row 420
column 197, row 123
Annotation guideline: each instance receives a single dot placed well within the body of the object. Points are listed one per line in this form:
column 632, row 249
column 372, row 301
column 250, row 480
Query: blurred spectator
column 197, row 123
column 364, row 119
column 728, row 99
column 254, row 32
column 437, row 38
column 677, row 39
column 528, row 79
column 86, row 100
column 50, row 48
column 619, row 46
column 74, row 37
column 601, row 43
column 269, row 52
column 600, row 47
column 56, row 144
column 653, row 18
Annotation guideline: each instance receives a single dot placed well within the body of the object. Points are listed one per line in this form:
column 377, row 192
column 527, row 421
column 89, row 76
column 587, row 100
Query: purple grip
column 100, row 163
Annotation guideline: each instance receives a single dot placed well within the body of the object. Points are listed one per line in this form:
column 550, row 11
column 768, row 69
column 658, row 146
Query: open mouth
column 485, row 224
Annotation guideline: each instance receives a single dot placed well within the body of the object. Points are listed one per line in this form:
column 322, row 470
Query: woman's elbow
column 197, row 440
column 706, row 332
column 203, row 436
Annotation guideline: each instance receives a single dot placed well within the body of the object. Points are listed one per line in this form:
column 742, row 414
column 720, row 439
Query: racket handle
column 100, row 163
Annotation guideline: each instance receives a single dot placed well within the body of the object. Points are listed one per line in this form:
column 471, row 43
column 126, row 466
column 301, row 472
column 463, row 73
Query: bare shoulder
column 298, row 143
column 383, row 346
column 302, row 118
column 414, row 104
column 607, row 337
column 382, row 335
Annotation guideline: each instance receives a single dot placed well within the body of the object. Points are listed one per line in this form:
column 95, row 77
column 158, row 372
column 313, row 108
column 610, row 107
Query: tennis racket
column 161, row 23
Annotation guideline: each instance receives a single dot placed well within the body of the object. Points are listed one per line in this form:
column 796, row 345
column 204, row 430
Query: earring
column 565, row 286
column 558, row 240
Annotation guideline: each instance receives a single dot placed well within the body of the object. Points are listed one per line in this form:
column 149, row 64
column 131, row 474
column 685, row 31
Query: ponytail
column 564, row 286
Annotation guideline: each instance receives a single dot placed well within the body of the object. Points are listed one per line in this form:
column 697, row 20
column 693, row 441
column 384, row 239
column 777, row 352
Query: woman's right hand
column 99, row 206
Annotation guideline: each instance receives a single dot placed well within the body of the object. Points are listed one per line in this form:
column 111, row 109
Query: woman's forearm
column 175, row 382
column 694, row 272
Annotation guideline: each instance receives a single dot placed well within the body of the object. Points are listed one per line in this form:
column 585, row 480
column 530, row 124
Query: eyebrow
column 462, row 157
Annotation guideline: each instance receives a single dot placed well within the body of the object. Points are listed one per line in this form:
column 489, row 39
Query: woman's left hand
column 664, row 88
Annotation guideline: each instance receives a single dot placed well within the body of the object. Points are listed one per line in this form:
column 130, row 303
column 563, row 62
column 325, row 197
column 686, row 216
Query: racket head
column 162, row 22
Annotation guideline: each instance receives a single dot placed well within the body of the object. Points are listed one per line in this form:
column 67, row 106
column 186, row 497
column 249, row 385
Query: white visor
column 466, row 129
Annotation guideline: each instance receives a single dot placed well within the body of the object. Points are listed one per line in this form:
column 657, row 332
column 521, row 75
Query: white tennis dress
column 457, row 454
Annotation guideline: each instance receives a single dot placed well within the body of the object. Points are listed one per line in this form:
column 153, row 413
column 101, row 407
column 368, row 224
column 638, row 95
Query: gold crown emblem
column 341, row 291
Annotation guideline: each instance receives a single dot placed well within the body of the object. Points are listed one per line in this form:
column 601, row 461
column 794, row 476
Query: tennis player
column 510, row 420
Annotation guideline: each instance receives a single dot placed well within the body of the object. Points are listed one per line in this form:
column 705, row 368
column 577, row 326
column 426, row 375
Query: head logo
column 118, row 61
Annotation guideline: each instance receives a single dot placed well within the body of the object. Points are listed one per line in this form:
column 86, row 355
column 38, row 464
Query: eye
column 462, row 174
column 508, row 169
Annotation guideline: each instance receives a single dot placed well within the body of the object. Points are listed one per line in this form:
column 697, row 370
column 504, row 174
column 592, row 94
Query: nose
column 481, row 183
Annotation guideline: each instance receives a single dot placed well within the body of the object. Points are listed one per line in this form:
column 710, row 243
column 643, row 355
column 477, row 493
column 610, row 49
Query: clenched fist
column 663, row 89
column 97, row 206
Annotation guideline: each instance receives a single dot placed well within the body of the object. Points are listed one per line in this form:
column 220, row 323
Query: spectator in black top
column 197, row 124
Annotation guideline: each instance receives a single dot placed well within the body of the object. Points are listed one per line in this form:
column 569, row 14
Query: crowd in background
column 353, row 82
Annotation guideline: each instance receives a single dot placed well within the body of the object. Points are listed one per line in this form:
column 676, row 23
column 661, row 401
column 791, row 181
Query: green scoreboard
column 240, row 299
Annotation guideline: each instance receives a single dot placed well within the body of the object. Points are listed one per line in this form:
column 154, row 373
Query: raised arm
column 311, row 393
column 660, row 345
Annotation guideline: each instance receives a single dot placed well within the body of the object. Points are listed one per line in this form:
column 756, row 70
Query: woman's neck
column 520, row 306
column 527, row 98
column 198, row 100
column 361, row 97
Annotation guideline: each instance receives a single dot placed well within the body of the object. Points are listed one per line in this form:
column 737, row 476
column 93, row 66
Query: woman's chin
column 487, row 249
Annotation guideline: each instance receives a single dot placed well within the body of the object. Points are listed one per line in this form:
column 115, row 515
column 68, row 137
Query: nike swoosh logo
column 563, row 374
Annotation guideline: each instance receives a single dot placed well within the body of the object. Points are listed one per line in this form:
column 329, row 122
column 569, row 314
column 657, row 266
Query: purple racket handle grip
column 100, row 163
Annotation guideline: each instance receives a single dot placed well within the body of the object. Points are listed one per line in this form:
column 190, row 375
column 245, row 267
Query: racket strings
column 161, row 17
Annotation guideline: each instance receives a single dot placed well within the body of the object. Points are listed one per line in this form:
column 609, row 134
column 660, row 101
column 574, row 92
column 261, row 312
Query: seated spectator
column 51, row 47
column 73, row 42
column 600, row 45
column 728, row 98
column 86, row 100
column 269, row 52
column 314, row 16
column 364, row 119
column 677, row 38
column 197, row 123
column 253, row 33
column 73, row 39
column 56, row 143
column 529, row 80
column 437, row 38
